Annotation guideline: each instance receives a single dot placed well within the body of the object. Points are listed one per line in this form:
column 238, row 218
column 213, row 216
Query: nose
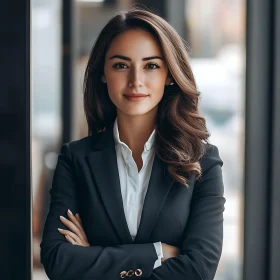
column 135, row 78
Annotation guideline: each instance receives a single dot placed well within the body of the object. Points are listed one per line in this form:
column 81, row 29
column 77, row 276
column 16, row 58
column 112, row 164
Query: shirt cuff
column 158, row 248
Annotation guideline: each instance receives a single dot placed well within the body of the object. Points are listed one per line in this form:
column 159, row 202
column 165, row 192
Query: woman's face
column 134, row 64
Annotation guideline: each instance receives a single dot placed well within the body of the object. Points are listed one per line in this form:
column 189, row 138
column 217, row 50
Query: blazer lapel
column 159, row 185
column 103, row 163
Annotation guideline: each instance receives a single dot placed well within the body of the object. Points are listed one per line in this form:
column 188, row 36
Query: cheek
column 157, row 85
column 116, row 80
column 115, row 85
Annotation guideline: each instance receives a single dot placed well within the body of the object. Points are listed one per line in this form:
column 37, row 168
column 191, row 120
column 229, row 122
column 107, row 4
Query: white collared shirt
column 134, row 184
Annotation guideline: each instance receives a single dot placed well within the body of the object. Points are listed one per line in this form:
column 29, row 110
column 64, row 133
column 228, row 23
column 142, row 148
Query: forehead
column 135, row 43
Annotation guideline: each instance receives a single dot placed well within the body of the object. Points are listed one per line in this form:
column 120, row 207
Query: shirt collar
column 148, row 145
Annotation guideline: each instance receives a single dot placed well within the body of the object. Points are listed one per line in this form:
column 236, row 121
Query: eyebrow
column 129, row 59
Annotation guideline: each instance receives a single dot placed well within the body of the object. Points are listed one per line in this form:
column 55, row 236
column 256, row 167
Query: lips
column 135, row 96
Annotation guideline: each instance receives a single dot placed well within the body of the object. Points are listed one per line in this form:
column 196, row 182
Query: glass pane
column 46, row 113
column 216, row 40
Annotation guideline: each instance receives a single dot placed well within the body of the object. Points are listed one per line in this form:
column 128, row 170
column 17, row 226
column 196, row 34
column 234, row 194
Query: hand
column 169, row 251
column 76, row 235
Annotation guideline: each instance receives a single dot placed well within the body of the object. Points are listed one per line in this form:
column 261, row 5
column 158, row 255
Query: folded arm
column 202, row 243
column 63, row 260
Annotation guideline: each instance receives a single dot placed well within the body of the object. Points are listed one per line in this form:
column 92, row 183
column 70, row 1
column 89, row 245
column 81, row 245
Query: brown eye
column 119, row 66
column 153, row 66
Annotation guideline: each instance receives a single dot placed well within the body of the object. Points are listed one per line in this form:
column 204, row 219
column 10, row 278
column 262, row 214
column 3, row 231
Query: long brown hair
column 180, row 130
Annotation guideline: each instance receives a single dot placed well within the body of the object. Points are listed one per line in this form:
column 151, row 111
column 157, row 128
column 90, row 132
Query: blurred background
column 63, row 33
column 44, row 48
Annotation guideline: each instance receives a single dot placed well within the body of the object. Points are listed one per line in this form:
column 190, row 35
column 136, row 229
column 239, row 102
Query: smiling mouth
column 135, row 97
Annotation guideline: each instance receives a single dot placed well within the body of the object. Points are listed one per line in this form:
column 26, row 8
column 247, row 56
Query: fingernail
column 69, row 211
column 62, row 218
column 60, row 229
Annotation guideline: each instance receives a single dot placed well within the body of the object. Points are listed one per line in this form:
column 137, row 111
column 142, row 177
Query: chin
column 136, row 111
column 132, row 114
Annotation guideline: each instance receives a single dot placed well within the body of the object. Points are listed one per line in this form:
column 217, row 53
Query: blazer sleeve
column 203, row 237
column 63, row 260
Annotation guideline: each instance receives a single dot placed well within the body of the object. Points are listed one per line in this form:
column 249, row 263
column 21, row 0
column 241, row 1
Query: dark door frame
column 262, row 132
column 15, row 142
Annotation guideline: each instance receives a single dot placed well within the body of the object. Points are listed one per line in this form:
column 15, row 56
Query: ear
column 168, row 80
column 103, row 79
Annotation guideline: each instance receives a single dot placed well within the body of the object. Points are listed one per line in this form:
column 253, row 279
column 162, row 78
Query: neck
column 134, row 131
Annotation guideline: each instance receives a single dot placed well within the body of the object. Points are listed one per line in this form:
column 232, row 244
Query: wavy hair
column 180, row 130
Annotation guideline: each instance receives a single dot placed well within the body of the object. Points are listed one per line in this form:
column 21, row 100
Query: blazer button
column 130, row 273
column 123, row 274
column 138, row 272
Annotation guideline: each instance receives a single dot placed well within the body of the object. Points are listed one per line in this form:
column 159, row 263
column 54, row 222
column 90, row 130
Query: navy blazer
column 86, row 181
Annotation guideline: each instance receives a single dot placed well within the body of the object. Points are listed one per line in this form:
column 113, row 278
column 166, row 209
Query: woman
column 144, row 190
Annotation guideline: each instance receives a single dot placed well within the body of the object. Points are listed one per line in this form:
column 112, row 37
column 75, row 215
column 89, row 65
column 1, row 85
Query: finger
column 71, row 234
column 73, row 218
column 82, row 229
column 78, row 218
column 73, row 228
column 70, row 225
column 78, row 222
column 70, row 240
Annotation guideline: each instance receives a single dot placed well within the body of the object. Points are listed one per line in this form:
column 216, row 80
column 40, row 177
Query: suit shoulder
column 83, row 145
column 210, row 157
